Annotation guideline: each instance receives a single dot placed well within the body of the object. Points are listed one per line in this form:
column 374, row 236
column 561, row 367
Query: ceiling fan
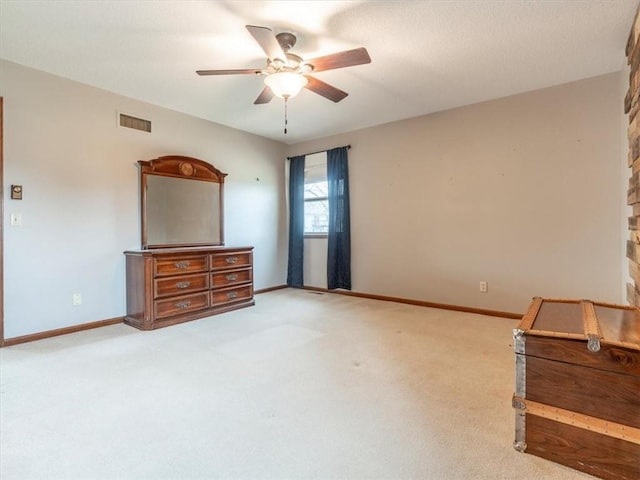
column 286, row 73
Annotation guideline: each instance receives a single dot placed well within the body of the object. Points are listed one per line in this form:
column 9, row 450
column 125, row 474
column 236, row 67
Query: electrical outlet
column 76, row 299
column 484, row 287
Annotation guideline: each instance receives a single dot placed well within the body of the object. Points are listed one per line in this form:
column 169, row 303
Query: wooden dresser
column 166, row 286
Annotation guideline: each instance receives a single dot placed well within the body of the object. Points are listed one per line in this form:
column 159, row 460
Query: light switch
column 16, row 219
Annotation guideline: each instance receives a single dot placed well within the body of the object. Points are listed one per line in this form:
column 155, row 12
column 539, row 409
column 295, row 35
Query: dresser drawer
column 180, row 305
column 230, row 295
column 180, row 285
column 229, row 278
column 221, row 261
column 182, row 264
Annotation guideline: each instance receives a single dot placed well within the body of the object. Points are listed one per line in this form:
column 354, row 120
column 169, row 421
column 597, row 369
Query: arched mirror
column 181, row 202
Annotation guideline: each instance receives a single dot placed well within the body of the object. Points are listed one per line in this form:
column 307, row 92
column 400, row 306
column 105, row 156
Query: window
column 316, row 195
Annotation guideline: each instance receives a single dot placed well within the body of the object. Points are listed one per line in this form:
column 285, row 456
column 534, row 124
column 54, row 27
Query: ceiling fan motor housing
column 286, row 40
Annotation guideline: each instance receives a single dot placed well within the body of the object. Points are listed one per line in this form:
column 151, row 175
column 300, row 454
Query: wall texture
column 522, row 192
column 81, row 196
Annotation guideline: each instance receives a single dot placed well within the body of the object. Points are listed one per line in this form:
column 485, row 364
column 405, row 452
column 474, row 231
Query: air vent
column 136, row 123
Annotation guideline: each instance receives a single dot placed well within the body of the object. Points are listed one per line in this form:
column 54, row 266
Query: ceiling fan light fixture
column 285, row 84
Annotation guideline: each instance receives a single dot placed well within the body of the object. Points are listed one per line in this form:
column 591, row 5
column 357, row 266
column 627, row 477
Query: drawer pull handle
column 232, row 276
column 184, row 304
column 182, row 264
column 183, row 284
column 232, row 294
column 231, row 259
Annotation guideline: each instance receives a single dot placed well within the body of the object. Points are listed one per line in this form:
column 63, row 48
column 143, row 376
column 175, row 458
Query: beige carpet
column 301, row 386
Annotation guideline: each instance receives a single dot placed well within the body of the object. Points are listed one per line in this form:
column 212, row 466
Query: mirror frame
column 185, row 168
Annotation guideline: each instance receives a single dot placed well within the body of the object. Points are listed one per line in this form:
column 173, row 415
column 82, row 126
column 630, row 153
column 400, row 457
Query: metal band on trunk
column 591, row 327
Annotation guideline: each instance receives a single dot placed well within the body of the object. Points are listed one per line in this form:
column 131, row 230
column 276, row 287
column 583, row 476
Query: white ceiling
column 427, row 56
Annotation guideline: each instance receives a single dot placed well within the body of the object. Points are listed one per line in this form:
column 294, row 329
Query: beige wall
column 81, row 198
column 522, row 192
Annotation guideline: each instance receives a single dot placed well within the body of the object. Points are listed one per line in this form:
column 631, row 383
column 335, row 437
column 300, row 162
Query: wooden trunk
column 577, row 395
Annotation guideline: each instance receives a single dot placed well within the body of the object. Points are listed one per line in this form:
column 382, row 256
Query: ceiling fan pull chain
column 285, row 114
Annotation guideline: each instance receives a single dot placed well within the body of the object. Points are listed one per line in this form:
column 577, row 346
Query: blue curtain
column 296, row 222
column 339, row 250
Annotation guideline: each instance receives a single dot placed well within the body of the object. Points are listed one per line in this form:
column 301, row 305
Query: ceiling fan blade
column 265, row 96
column 321, row 88
column 347, row 58
column 245, row 71
column 268, row 42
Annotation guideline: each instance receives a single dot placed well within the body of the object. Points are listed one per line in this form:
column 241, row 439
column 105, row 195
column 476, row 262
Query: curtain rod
column 320, row 151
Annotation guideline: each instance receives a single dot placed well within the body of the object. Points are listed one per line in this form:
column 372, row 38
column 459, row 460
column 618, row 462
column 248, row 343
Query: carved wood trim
column 183, row 167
